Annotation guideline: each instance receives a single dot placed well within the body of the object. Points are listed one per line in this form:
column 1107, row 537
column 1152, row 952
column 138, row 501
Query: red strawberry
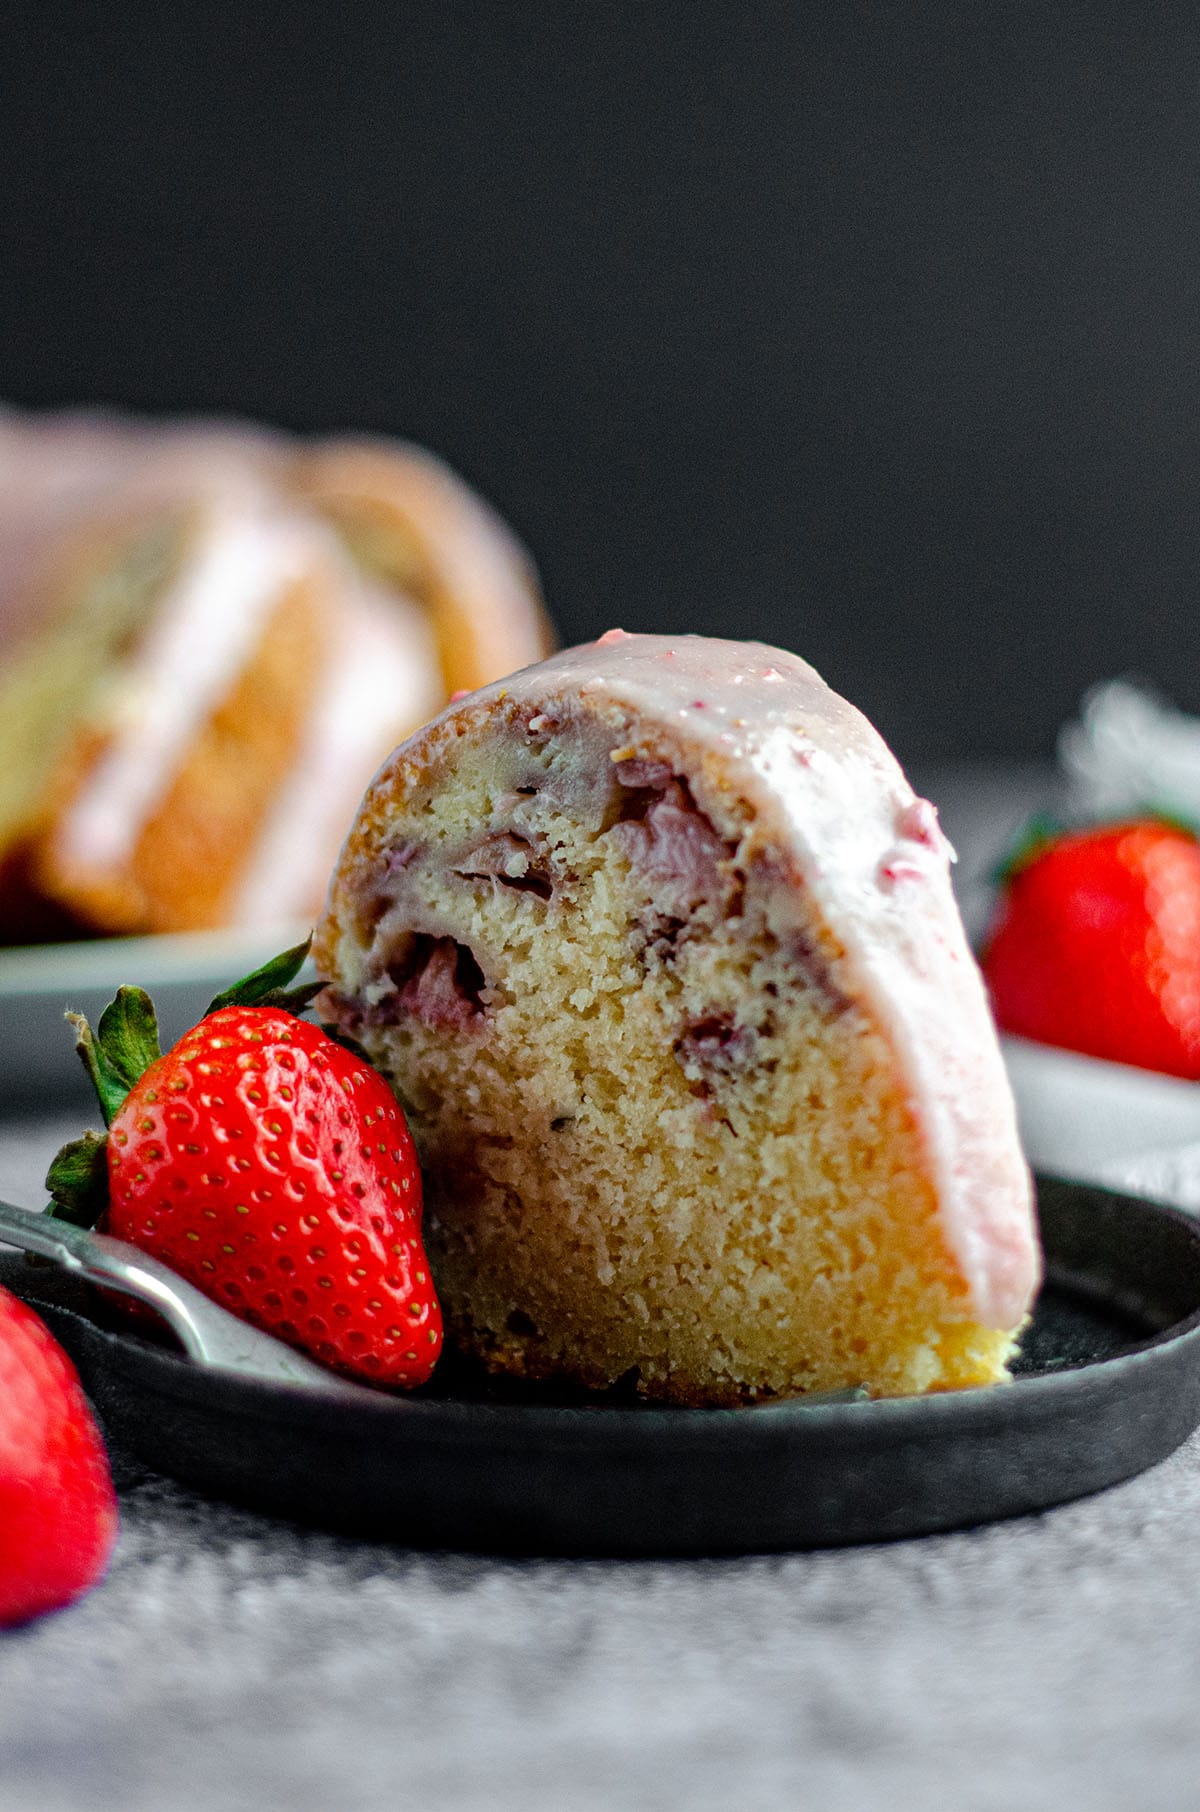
column 58, row 1512
column 269, row 1165
column 1097, row 946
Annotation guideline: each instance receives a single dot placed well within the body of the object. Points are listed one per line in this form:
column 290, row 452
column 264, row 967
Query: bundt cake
column 658, row 950
column 201, row 674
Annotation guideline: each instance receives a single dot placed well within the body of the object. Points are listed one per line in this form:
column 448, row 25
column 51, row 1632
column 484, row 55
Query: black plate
column 1108, row 1383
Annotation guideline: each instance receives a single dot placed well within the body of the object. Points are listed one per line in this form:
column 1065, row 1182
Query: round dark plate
column 1108, row 1383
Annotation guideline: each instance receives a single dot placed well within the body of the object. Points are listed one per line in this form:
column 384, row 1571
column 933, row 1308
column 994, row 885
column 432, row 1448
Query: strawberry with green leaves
column 268, row 1164
column 1096, row 945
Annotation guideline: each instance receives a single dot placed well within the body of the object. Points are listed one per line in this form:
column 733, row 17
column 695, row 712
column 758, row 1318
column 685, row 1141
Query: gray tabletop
column 231, row 1662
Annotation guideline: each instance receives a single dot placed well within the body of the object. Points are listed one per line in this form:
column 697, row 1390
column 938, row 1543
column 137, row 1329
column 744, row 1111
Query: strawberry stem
column 78, row 1180
column 1035, row 835
column 125, row 1043
column 268, row 986
column 121, row 1049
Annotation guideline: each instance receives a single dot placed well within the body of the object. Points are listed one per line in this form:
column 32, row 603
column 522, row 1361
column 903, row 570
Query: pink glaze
column 919, row 823
column 899, row 868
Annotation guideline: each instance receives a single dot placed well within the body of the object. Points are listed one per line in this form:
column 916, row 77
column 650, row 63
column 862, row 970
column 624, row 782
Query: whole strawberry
column 58, row 1511
column 270, row 1166
column 1097, row 946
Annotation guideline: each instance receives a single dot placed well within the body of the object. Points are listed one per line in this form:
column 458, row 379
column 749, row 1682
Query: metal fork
column 209, row 1334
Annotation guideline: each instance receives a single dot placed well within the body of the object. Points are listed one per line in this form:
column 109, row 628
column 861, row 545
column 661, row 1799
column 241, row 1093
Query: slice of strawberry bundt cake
column 659, row 951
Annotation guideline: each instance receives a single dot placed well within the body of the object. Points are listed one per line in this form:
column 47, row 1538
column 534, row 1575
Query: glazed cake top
column 830, row 812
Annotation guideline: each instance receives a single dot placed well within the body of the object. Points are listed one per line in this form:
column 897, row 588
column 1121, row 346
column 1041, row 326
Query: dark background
column 869, row 328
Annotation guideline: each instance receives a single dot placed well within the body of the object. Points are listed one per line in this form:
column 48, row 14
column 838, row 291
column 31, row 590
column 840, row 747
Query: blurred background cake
column 211, row 636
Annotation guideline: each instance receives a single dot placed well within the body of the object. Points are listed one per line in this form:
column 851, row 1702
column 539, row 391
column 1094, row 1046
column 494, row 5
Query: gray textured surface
column 230, row 1662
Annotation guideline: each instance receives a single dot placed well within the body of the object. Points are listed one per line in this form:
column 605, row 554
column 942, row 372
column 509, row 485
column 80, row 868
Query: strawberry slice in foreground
column 58, row 1511
column 269, row 1165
